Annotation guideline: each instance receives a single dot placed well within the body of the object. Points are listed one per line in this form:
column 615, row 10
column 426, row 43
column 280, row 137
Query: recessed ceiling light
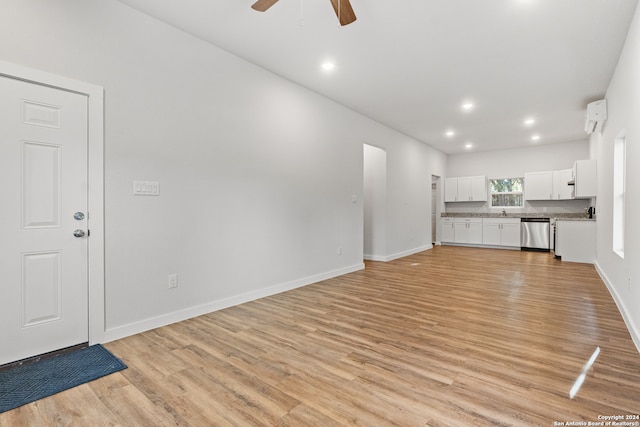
column 328, row 66
column 467, row 106
column 535, row 137
column 450, row 133
column 468, row 145
column 529, row 121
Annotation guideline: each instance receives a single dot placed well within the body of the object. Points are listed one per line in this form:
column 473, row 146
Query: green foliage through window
column 506, row 192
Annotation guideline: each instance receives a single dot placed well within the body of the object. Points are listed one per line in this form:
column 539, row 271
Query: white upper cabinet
column 584, row 174
column 548, row 185
column 465, row 189
column 478, row 191
column 561, row 189
column 451, row 189
column 538, row 185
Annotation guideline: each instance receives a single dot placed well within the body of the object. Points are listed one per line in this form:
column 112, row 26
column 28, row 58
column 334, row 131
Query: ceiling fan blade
column 344, row 11
column 263, row 5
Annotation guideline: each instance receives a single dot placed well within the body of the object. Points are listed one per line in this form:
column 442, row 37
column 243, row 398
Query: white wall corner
column 634, row 331
column 408, row 252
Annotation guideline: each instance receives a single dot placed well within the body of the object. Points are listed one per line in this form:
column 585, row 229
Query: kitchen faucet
column 504, row 212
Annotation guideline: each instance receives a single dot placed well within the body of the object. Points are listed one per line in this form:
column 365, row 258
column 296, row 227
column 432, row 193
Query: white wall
column 256, row 173
column 410, row 166
column 515, row 163
column 623, row 99
column 375, row 203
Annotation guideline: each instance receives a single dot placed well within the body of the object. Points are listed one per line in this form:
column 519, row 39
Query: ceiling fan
column 343, row 9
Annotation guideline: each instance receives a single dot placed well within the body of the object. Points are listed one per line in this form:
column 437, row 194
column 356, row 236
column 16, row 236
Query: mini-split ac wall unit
column 596, row 116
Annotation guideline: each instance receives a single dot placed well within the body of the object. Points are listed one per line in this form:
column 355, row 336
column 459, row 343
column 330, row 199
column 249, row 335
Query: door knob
column 78, row 216
column 78, row 233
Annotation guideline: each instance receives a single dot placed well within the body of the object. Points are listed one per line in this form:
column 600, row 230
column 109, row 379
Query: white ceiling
column 410, row 64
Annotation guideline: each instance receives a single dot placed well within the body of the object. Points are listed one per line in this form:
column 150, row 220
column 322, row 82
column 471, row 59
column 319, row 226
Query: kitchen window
column 506, row 192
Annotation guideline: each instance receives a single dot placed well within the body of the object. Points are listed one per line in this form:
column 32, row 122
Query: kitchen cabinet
column 468, row 231
column 511, row 233
column 548, row 185
column 472, row 188
column 448, row 230
column 451, row 189
column 585, row 178
column 561, row 188
column 465, row 189
column 576, row 240
column 501, row 232
column 538, row 185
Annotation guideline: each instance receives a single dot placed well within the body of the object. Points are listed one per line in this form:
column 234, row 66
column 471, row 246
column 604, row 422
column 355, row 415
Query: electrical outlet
column 340, row 251
column 629, row 284
column 173, row 281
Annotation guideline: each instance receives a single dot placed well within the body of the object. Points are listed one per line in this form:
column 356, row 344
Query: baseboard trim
column 398, row 255
column 633, row 330
column 119, row 332
column 374, row 258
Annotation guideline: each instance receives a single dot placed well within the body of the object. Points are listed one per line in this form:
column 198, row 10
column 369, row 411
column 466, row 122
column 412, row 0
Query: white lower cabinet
column 468, row 231
column 511, row 233
column 576, row 240
column 448, row 230
column 501, row 232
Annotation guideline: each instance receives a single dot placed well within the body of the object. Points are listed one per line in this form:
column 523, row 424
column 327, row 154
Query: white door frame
column 95, row 136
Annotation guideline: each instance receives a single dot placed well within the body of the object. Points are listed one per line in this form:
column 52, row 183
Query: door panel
column 41, row 195
column 41, row 288
column 43, row 182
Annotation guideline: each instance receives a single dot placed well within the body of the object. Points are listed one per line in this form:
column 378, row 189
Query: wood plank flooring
column 449, row 337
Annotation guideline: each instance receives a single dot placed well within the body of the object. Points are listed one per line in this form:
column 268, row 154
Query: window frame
column 491, row 193
column 619, row 193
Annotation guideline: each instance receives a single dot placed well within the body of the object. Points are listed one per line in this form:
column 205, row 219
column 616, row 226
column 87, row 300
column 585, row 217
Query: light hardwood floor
column 448, row 337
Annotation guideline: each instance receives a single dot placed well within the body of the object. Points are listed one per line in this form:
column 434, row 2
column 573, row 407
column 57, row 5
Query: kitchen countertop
column 552, row 215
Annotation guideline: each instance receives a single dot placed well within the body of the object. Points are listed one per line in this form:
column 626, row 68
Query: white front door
column 43, row 202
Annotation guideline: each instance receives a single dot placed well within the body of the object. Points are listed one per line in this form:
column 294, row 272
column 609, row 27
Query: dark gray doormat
column 33, row 381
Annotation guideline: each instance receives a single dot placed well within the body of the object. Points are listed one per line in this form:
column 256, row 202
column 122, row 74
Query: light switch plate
column 173, row 281
column 146, row 188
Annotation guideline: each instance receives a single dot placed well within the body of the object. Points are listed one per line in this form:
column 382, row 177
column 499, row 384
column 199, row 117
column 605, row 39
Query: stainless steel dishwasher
column 534, row 234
